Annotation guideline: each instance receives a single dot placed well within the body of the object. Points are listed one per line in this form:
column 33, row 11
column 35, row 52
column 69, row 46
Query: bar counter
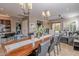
column 23, row 47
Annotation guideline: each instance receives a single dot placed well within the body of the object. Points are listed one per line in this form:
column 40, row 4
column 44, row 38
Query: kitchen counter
column 24, row 47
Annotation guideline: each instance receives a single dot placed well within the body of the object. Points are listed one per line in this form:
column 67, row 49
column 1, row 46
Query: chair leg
column 60, row 46
column 49, row 53
column 57, row 50
column 54, row 52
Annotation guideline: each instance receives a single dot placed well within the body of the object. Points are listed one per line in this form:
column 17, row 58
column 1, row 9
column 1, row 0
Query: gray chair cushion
column 44, row 48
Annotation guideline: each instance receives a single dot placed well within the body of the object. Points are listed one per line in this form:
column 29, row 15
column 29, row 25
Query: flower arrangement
column 39, row 31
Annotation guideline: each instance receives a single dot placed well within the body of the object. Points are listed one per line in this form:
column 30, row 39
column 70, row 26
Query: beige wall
column 32, row 21
column 13, row 25
column 24, row 27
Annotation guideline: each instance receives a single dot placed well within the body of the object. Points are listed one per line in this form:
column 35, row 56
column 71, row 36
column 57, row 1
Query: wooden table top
column 26, row 49
column 22, row 51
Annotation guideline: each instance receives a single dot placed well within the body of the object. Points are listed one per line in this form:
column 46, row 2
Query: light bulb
column 29, row 5
column 47, row 13
column 43, row 13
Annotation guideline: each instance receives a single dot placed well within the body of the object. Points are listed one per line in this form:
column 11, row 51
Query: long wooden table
column 28, row 48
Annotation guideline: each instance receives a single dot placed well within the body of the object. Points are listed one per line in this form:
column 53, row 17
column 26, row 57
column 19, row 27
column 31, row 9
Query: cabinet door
column 1, row 21
column 7, row 25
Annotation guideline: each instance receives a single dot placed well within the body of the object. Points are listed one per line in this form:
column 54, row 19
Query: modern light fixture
column 27, row 6
column 43, row 14
column 46, row 14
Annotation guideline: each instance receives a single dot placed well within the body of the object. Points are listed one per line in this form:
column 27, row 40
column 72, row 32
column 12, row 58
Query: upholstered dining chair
column 52, row 46
column 55, row 42
column 44, row 48
column 36, row 51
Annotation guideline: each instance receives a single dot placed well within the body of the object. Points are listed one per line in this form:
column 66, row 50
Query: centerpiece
column 39, row 31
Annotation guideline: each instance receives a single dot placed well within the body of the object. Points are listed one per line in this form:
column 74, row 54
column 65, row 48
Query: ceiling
column 65, row 9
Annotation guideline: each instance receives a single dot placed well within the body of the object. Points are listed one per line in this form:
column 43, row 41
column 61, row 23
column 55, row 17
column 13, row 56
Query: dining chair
column 55, row 44
column 52, row 45
column 44, row 48
column 58, row 43
column 36, row 51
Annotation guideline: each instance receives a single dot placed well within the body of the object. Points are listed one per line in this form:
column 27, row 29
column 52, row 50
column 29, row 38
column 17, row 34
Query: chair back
column 59, row 38
column 56, row 33
column 44, row 48
column 51, row 38
column 51, row 32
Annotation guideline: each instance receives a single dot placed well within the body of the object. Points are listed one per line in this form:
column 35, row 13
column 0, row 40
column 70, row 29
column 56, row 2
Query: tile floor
column 66, row 50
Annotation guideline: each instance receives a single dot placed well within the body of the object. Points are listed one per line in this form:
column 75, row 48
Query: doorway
column 56, row 27
column 18, row 28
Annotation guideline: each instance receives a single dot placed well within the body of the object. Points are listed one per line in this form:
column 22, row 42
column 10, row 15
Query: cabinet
column 6, row 22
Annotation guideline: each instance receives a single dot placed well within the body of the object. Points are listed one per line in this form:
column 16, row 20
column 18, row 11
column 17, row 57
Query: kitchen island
column 23, row 47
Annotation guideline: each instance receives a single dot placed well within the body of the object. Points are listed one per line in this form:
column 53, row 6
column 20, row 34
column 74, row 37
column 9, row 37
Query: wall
column 13, row 25
column 32, row 24
column 32, row 21
column 24, row 27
